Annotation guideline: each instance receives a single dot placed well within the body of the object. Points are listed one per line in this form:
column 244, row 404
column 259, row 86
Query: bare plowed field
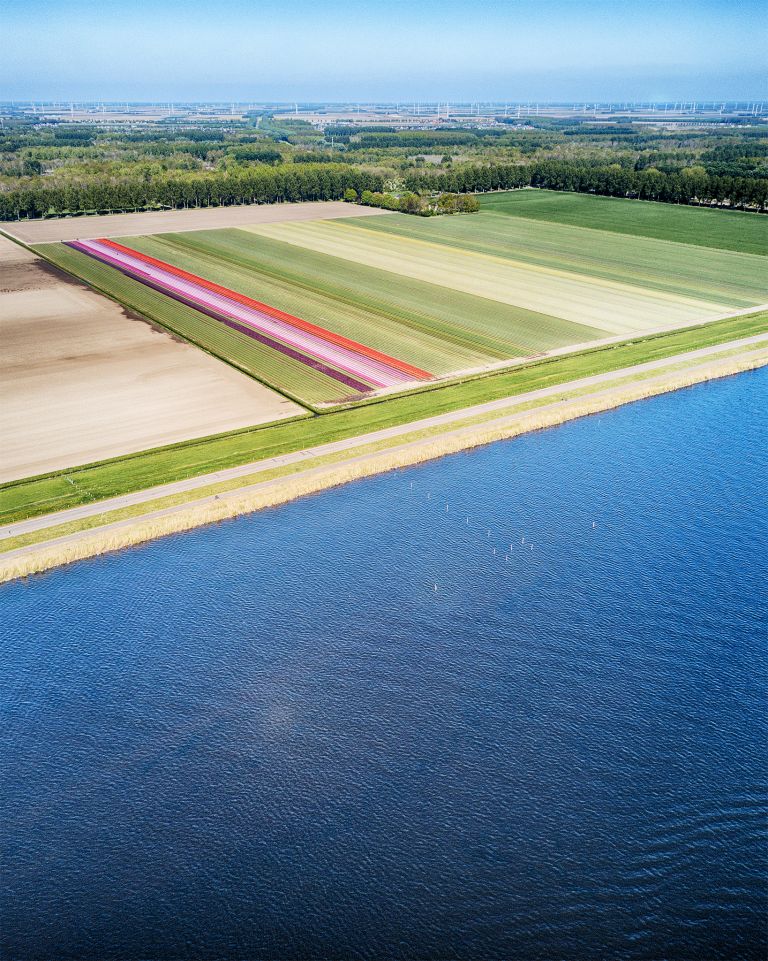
column 167, row 221
column 81, row 380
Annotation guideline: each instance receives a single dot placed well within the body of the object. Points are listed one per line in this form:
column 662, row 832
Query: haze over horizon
column 334, row 50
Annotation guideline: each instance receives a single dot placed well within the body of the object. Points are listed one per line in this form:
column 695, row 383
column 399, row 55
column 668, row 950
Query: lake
column 505, row 705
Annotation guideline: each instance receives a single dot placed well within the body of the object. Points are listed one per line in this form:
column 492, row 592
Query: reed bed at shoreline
column 283, row 490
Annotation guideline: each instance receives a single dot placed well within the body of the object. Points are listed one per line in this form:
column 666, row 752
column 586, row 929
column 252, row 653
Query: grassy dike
column 729, row 359
column 38, row 496
column 109, row 531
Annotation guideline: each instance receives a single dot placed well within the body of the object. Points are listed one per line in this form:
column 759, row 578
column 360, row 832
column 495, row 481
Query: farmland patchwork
column 330, row 311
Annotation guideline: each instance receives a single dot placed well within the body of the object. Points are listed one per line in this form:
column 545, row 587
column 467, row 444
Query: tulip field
column 331, row 311
column 352, row 365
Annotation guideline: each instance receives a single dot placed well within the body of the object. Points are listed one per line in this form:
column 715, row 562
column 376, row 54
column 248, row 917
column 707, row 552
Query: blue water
column 347, row 729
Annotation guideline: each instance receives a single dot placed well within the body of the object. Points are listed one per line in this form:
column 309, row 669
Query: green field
column 699, row 274
column 724, row 229
column 584, row 297
column 453, row 294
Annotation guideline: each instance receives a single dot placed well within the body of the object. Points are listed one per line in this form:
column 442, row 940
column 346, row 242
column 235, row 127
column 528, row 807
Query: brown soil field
column 81, row 379
column 167, row 221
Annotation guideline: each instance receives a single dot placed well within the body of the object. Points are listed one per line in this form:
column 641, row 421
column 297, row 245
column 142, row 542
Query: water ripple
column 508, row 705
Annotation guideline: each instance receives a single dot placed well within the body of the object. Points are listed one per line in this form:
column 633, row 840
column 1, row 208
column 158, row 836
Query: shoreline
column 45, row 555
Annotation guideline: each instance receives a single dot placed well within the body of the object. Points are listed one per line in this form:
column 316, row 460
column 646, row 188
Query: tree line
column 187, row 189
column 420, row 139
column 413, row 203
column 141, row 189
column 694, row 185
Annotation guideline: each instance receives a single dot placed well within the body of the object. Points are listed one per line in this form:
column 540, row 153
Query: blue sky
column 382, row 49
